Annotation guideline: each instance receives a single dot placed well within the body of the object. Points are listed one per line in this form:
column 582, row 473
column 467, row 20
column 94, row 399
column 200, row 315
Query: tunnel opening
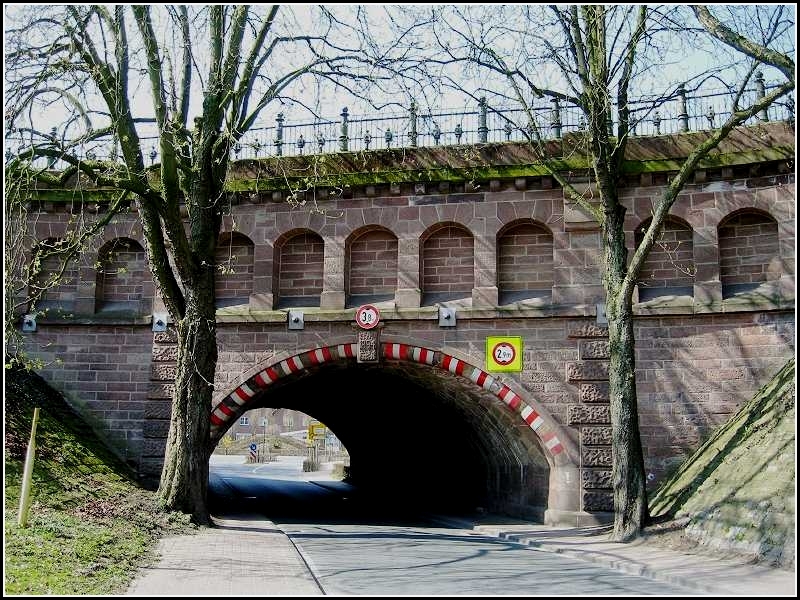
column 421, row 439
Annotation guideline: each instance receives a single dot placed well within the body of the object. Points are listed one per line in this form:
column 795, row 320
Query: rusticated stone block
column 158, row 409
column 591, row 415
column 155, row 429
column 598, row 501
column 151, row 467
column 577, row 329
column 594, row 392
column 160, row 390
column 594, row 350
column 154, row 447
column 165, row 353
column 596, row 457
column 170, row 336
column 163, row 372
column 596, row 436
column 587, row 371
column 539, row 376
column 595, row 478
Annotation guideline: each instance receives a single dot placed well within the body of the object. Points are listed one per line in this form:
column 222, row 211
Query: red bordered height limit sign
column 367, row 316
column 504, row 353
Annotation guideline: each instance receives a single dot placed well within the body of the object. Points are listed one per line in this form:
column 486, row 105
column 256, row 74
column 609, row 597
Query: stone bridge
column 452, row 245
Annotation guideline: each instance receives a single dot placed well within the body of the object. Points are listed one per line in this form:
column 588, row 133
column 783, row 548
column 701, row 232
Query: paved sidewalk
column 704, row 574
column 246, row 556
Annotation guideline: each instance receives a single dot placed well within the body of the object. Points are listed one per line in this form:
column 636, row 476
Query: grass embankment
column 90, row 526
column 737, row 491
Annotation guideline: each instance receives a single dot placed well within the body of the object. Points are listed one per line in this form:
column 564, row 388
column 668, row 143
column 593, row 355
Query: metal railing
column 650, row 116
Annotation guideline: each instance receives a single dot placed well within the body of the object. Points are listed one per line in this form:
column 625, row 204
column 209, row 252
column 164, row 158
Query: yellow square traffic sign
column 315, row 431
column 503, row 353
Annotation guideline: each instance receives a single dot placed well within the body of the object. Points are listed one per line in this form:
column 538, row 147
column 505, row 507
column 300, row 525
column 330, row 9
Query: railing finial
column 483, row 130
column 761, row 91
column 555, row 118
column 683, row 116
column 279, row 134
column 343, row 136
column 412, row 134
column 459, row 132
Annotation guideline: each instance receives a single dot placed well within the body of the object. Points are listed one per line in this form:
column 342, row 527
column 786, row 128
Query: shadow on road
column 242, row 489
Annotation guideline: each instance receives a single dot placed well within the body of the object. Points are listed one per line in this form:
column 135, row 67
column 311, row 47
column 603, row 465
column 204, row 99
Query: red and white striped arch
column 233, row 405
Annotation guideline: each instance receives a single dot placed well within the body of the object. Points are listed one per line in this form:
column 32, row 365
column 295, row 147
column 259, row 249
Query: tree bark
column 628, row 478
column 627, row 472
column 184, row 478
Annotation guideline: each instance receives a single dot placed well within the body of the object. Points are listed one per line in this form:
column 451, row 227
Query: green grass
column 90, row 525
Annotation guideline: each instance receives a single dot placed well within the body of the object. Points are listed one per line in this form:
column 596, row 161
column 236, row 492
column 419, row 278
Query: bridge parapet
column 465, row 169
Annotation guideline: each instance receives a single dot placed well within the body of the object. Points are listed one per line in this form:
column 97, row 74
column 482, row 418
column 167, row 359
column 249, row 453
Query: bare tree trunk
column 630, row 496
column 628, row 479
column 184, row 479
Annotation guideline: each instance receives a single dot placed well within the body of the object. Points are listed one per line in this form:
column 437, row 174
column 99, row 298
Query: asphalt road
column 359, row 544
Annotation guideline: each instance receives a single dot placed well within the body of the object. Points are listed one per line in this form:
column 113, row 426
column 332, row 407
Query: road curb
column 307, row 561
column 618, row 564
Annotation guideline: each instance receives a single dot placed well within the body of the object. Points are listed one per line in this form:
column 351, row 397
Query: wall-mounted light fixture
column 29, row 323
column 447, row 317
column 159, row 322
column 296, row 319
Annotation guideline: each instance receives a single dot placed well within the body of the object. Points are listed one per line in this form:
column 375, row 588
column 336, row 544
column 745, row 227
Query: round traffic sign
column 254, row 447
column 367, row 316
column 504, row 353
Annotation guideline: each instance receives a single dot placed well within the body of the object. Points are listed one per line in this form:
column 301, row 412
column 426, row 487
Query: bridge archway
column 426, row 419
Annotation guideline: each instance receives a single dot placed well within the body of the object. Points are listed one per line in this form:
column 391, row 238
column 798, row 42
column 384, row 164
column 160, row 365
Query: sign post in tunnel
column 504, row 353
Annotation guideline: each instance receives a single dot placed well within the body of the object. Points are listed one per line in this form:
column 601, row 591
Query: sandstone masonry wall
column 698, row 356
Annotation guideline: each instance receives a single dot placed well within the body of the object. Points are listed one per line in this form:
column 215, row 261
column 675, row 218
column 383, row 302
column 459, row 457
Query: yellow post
column 27, row 474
